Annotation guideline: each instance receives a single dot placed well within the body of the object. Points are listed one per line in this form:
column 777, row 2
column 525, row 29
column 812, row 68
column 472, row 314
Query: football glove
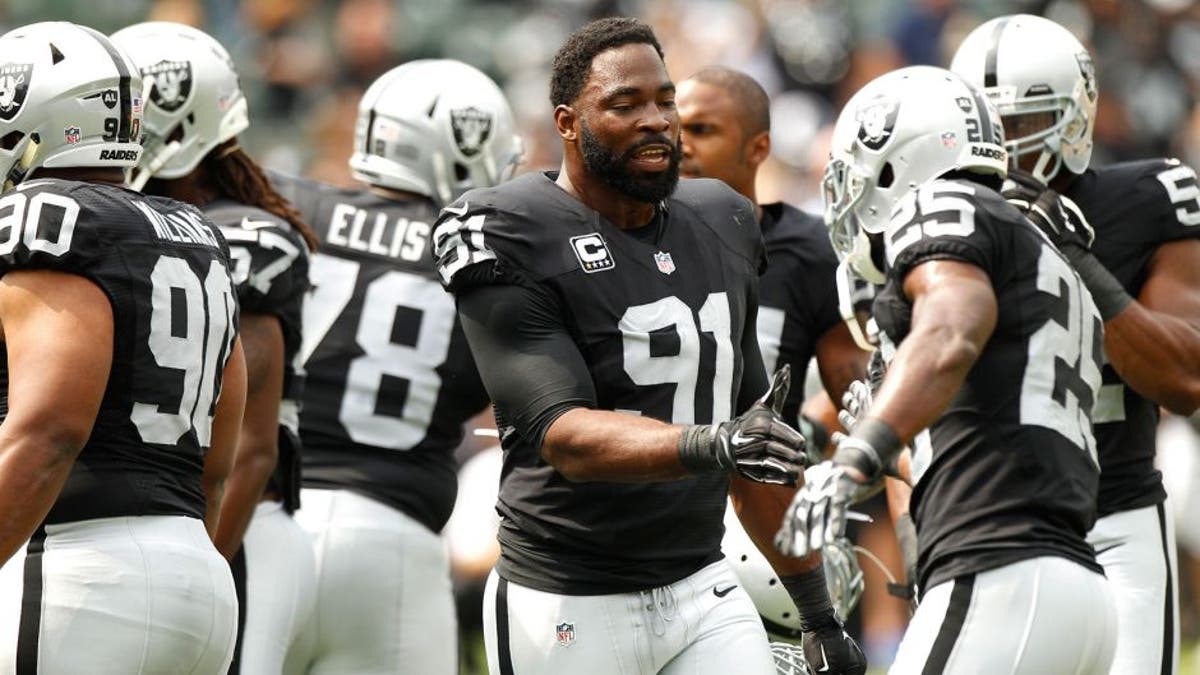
column 828, row 648
column 817, row 514
column 1054, row 214
column 757, row 444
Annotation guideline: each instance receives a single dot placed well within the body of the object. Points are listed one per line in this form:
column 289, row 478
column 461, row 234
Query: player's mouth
column 654, row 157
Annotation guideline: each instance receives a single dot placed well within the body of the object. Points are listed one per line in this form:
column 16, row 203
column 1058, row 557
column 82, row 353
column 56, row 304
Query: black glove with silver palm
column 757, row 444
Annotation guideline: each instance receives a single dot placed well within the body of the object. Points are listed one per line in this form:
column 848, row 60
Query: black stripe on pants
column 502, row 646
column 952, row 624
column 1168, row 655
column 30, row 626
column 238, row 567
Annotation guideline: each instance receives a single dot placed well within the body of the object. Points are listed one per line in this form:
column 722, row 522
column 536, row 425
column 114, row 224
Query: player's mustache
column 650, row 140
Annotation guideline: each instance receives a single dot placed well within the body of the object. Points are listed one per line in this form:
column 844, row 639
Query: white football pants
column 1040, row 616
column 681, row 629
column 384, row 602
column 1137, row 549
column 277, row 583
column 119, row 596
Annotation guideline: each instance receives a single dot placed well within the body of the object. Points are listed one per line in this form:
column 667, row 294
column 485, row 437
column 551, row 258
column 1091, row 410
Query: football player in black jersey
column 725, row 127
column 389, row 379
column 1144, row 271
column 995, row 352
column 612, row 317
column 123, row 381
column 193, row 115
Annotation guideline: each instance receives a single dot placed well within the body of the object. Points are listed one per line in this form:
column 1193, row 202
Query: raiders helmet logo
column 876, row 120
column 14, row 85
column 172, row 83
column 472, row 128
column 1087, row 69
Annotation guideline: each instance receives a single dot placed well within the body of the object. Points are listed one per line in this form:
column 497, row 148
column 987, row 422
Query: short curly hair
column 573, row 61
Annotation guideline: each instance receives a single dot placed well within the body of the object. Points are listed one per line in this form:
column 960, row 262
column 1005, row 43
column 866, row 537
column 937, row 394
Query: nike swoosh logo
column 1106, row 549
column 459, row 211
column 722, row 593
column 824, row 660
column 248, row 224
column 738, row 439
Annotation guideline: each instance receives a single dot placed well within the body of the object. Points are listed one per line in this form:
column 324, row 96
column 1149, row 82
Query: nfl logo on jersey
column 565, row 633
column 664, row 262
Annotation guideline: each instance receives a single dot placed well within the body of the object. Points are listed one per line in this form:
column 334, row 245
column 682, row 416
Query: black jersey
column 797, row 294
column 1009, row 471
column 165, row 270
column 1134, row 207
column 270, row 273
column 389, row 378
column 659, row 318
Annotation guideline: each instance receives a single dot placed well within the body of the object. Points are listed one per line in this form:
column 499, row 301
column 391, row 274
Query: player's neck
column 618, row 208
column 95, row 174
column 194, row 188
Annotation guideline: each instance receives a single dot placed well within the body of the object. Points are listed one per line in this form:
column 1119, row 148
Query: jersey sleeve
column 1175, row 195
column 47, row 225
column 269, row 268
column 477, row 244
column 941, row 220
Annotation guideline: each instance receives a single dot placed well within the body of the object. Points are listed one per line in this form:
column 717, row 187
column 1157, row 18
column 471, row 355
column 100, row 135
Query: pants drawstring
column 663, row 607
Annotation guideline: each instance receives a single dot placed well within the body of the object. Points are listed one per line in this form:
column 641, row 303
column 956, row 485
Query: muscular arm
column 59, row 333
column 1154, row 343
column 227, row 421
column 954, row 314
column 535, row 374
column 258, row 441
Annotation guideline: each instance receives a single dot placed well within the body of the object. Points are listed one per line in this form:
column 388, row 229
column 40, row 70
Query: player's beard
column 611, row 168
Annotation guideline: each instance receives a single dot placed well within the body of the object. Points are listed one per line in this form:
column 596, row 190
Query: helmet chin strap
column 21, row 168
column 156, row 163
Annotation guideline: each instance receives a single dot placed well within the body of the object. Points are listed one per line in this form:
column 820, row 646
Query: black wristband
column 696, row 451
column 1108, row 293
column 811, row 595
column 882, row 446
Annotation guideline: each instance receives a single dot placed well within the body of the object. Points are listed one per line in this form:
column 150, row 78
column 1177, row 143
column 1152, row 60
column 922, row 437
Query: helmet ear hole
column 10, row 140
column 887, row 176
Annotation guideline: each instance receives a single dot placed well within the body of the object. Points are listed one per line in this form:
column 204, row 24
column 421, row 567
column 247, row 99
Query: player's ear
column 758, row 148
column 566, row 122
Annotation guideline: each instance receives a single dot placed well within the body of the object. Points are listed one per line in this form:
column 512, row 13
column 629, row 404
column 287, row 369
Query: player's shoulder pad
column 515, row 232
column 946, row 218
column 1164, row 190
column 727, row 213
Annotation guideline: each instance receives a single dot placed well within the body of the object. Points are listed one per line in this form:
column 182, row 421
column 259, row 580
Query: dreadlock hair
column 241, row 179
column 573, row 61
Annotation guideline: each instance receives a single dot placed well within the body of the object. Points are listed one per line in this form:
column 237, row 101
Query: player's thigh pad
column 681, row 628
column 279, row 585
column 384, row 600
column 1038, row 616
column 144, row 594
column 1137, row 550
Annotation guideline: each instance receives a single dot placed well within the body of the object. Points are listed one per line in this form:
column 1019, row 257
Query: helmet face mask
column 194, row 101
column 899, row 131
column 437, row 128
column 1027, row 64
column 69, row 98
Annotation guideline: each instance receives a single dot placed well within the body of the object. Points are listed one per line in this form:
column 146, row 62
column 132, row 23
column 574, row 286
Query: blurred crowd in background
column 305, row 63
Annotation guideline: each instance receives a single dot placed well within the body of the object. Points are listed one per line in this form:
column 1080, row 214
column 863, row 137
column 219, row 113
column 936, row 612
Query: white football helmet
column 899, row 131
column 1028, row 65
column 436, row 127
column 68, row 98
column 195, row 102
column 843, row 576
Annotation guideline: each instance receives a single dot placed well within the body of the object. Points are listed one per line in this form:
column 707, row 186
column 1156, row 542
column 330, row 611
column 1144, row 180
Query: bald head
column 753, row 104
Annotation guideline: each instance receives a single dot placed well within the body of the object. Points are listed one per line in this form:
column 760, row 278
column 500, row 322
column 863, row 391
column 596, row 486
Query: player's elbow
column 1183, row 399
column 569, row 462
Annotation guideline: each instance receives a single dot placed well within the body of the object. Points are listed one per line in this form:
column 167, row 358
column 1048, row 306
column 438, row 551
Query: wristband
column 1108, row 293
column 696, row 450
column 811, row 595
column 872, row 448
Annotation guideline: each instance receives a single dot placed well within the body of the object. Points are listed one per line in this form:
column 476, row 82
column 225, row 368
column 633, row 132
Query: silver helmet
column 436, row 127
column 195, row 102
column 900, row 130
column 1028, row 65
column 68, row 98
column 843, row 576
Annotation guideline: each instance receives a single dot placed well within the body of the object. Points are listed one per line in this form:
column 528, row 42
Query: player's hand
column 829, row 649
column 1054, row 214
column 758, row 444
column 855, row 404
column 817, row 515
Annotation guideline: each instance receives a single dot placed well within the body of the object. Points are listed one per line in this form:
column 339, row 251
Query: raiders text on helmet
column 68, row 98
column 1028, row 65
column 900, row 130
column 435, row 127
column 195, row 100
